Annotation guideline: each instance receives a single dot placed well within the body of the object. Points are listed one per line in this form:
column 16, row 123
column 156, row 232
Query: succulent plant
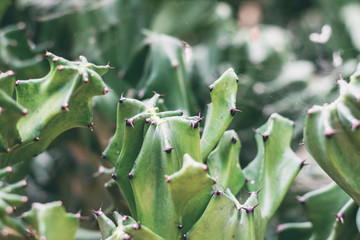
column 178, row 184
column 332, row 137
column 44, row 108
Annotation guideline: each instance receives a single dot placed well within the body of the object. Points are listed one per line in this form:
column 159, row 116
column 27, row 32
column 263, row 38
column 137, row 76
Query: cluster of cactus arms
column 36, row 111
column 180, row 183
column 332, row 137
column 43, row 221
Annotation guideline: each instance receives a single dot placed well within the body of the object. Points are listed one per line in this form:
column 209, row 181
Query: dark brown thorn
column 181, row 112
column 167, row 179
column 233, row 111
column 340, row 217
column 237, row 79
column 102, row 155
column 47, row 54
column 105, row 90
column 180, row 226
column 60, row 67
column 233, row 140
column 25, row 112
column 125, row 217
column 36, row 139
column 194, row 124
column 55, row 59
column 65, row 107
column 250, row 210
column 136, row 226
column 301, row 199
column 10, row 73
column 122, row 99
column 91, row 126
column 152, row 122
column 303, row 163
column 17, row 82
column 257, row 192
column 329, row 132
column 217, row 192
column 168, row 149
column 98, row 212
column 129, row 122
column 130, row 175
column 355, row 124
column 113, row 176
column 211, row 87
column 185, row 237
column 206, row 168
column 29, row 234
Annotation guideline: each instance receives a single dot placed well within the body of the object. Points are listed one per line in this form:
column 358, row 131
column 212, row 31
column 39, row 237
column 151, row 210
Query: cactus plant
column 332, row 138
column 53, row 104
column 178, row 184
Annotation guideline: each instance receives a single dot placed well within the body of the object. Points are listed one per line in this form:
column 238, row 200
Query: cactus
column 180, row 185
column 332, row 137
column 53, row 104
column 331, row 214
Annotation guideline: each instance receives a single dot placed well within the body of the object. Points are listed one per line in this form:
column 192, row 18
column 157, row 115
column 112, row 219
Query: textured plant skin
column 55, row 103
column 331, row 214
column 175, row 191
column 332, row 137
column 9, row 200
column 50, row 221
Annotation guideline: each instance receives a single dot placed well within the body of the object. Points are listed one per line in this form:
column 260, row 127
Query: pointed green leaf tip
column 55, row 103
column 332, row 136
column 186, row 183
column 220, row 112
column 275, row 166
column 50, row 221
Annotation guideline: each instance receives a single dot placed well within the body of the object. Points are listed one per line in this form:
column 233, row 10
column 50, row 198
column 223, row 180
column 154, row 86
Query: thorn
column 125, row 217
column 233, row 140
column 130, row 175
column 60, row 67
column 168, row 179
column 65, row 107
column 17, row 82
column 91, row 126
column 98, row 212
column 136, row 226
column 127, row 237
column 168, row 149
column 233, row 111
column 340, row 217
column 113, row 176
column 102, row 155
column 9, row 169
column 147, row 120
column 55, row 59
column 329, row 132
column 310, row 111
column 301, row 144
column 160, row 95
column 303, row 163
column 105, row 90
column 21, row 141
column 25, row 112
column 194, row 124
column 257, row 192
column 86, row 80
column 355, row 124
column 122, row 99
column 108, row 66
column 180, row 226
column 10, row 73
column 185, row 237
column 129, row 122
column 301, row 199
column 81, row 218
column 237, row 79
column 211, row 87
column 250, row 210
column 36, row 139
column 206, row 168
column 7, row 150
column 265, row 136
column 217, row 192
column 175, row 64
column 47, row 54
column 181, row 112
column 280, row 228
